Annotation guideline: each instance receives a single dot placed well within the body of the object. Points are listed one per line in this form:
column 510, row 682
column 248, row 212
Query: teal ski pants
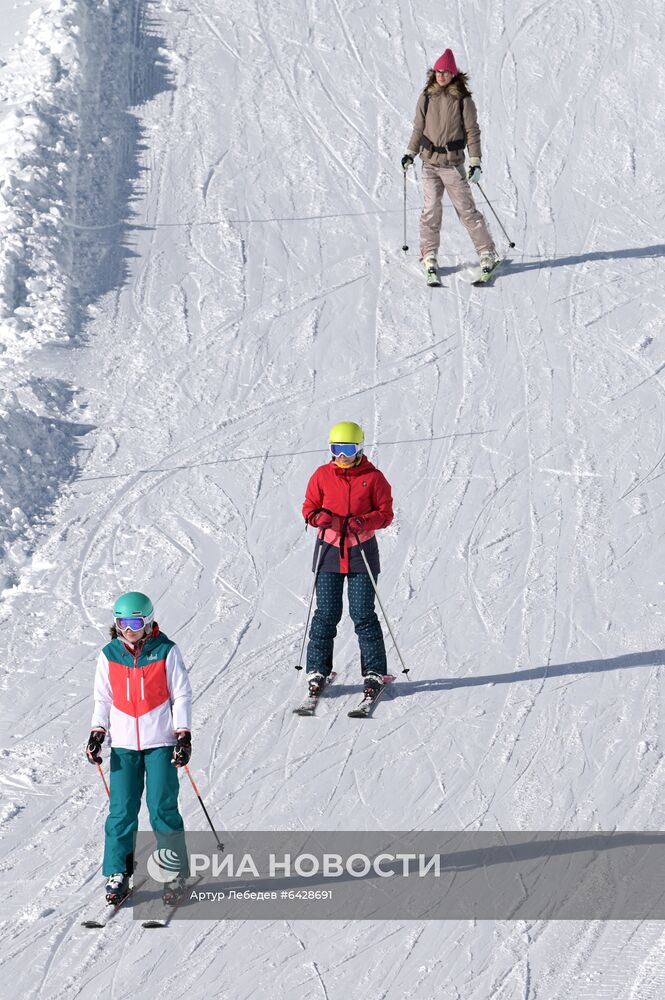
column 130, row 771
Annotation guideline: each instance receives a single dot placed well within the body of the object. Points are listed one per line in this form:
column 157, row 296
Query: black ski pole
column 405, row 669
column 404, row 246
column 198, row 795
column 510, row 242
column 311, row 601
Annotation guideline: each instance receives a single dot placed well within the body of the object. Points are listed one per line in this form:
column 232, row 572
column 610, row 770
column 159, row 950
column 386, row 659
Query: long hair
column 462, row 81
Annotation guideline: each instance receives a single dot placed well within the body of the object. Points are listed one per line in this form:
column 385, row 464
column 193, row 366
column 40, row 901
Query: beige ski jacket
column 451, row 117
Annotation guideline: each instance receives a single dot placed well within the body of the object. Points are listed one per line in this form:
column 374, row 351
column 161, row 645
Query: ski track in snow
column 242, row 288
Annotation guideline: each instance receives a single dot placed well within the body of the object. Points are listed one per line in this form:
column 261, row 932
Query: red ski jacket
column 142, row 694
column 361, row 491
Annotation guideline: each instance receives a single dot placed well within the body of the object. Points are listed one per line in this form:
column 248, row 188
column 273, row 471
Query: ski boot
column 488, row 261
column 173, row 891
column 373, row 686
column 431, row 270
column 316, row 684
column 117, row 887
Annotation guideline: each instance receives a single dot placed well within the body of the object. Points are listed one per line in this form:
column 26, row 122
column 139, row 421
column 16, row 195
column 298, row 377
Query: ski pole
column 311, row 601
column 101, row 775
column 405, row 669
column 510, row 242
column 404, row 246
column 198, row 795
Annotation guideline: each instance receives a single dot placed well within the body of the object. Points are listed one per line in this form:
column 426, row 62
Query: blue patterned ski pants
column 329, row 591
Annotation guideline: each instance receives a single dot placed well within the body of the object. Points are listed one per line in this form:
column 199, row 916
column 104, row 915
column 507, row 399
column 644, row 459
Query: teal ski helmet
column 134, row 605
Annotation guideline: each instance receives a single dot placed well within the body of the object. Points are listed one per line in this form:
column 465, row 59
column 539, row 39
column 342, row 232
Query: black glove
column 407, row 161
column 182, row 751
column 93, row 751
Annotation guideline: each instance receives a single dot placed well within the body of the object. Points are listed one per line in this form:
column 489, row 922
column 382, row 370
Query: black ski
column 308, row 707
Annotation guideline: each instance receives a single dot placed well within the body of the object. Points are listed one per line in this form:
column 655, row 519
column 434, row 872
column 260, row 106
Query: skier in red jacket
column 347, row 500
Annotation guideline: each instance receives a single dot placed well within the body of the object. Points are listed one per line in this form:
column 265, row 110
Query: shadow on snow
column 639, row 253
column 649, row 658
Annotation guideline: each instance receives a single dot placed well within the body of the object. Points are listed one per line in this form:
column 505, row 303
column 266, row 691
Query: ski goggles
column 345, row 450
column 135, row 624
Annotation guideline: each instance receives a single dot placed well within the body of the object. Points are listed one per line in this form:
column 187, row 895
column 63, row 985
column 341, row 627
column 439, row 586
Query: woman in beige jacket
column 446, row 121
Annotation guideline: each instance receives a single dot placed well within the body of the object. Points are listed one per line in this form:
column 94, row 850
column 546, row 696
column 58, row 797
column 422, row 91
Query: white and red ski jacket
column 142, row 695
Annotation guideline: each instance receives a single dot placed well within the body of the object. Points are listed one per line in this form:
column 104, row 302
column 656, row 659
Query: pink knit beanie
column 447, row 61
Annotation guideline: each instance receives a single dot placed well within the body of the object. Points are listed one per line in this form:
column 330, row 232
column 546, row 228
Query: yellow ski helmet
column 346, row 432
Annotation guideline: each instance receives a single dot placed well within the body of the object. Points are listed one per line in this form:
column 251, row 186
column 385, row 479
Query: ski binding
column 308, row 707
column 478, row 277
column 432, row 277
column 107, row 913
column 366, row 706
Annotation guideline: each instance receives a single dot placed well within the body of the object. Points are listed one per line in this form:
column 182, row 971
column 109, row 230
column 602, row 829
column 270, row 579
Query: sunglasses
column 135, row 624
column 345, row 450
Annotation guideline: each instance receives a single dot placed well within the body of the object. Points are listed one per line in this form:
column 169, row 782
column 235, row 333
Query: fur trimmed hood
column 457, row 88
column 445, row 115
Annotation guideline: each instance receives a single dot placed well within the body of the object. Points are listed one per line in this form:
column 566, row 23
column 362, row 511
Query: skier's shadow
column 641, row 253
column 648, row 658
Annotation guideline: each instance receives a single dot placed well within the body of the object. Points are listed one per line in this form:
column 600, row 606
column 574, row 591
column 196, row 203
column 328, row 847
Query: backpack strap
column 450, row 147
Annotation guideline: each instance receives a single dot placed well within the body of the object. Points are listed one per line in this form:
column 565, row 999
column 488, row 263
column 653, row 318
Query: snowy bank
column 48, row 76
column 49, row 88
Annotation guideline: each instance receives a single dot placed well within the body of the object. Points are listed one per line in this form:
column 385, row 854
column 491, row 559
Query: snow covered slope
column 234, row 285
column 14, row 25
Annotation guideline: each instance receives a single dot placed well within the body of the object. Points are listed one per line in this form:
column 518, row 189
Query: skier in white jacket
column 143, row 701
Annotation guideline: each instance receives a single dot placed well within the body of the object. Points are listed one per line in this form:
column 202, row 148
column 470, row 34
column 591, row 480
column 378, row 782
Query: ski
column 366, row 706
column 480, row 278
column 153, row 923
column 308, row 707
column 108, row 912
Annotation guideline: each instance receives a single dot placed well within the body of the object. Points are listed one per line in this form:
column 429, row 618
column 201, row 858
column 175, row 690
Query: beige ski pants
column 436, row 180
